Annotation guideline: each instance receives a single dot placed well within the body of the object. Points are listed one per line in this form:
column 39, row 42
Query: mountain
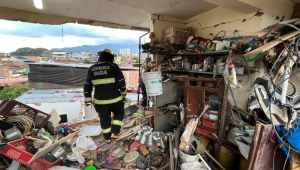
column 134, row 48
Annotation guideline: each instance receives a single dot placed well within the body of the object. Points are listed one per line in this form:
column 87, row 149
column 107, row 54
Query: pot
column 13, row 134
column 60, row 149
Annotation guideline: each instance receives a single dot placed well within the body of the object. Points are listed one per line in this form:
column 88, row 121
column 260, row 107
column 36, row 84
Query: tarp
column 58, row 75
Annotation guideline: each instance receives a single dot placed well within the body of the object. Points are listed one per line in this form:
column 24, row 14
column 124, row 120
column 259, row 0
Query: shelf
column 190, row 71
column 210, row 53
column 201, row 72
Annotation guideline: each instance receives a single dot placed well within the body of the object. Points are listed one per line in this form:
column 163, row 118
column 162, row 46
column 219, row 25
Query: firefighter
column 110, row 89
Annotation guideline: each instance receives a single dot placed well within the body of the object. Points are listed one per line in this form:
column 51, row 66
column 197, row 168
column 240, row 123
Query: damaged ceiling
column 110, row 13
column 129, row 14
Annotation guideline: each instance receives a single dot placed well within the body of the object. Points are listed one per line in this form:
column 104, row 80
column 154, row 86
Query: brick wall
column 7, row 62
column 18, row 63
column 32, row 58
column 47, row 85
column 6, row 73
column 132, row 78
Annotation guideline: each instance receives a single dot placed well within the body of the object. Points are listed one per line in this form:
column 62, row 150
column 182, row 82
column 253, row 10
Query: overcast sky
column 16, row 34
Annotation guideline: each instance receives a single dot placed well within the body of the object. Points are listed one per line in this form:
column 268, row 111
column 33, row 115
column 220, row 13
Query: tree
column 47, row 53
column 2, row 55
column 26, row 51
column 137, row 60
column 14, row 91
column 86, row 60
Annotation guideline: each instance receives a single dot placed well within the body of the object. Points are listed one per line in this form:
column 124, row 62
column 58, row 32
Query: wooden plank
column 256, row 34
column 289, row 21
column 295, row 157
column 271, row 44
column 274, row 28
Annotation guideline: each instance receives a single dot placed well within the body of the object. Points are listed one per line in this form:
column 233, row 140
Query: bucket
column 183, row 157
column 227, row 158
column 205, row 141
column 243, row 163
column 153, row 83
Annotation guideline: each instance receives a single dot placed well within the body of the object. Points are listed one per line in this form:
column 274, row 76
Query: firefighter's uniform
column 110, row 87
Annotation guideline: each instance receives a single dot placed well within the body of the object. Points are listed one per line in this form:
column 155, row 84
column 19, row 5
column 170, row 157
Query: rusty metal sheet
column 261, row 153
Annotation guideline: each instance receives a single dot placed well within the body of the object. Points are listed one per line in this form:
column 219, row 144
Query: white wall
column 72, row 109
column 158, row 26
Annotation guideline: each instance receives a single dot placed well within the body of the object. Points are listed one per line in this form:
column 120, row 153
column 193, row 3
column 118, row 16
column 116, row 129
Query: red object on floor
column 14, row 151
column 135, row 144
column 206, row 123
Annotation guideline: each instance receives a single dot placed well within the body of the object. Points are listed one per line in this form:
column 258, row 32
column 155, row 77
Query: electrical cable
column 290, row 26
column 274, row 155
column 271, row 114
column 286, row 158
column 235, row 103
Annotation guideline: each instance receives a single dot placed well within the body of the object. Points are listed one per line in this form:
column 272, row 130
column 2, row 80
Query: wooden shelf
column 190, row 71
column 210, row 53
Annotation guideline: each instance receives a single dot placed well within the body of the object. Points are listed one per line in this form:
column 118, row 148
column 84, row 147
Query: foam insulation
column 18, row 15
column 235, row 5
column 172, row 8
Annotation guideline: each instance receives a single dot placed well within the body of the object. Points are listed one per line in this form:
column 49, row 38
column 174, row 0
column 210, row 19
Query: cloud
column 16, row 34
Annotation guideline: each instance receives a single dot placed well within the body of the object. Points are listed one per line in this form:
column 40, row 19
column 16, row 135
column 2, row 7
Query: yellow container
column 205, row 141
column 243, row 163
column 227, row 158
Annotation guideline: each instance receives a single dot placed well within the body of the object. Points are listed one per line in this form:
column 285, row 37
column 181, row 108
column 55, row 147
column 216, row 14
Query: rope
column 24, row 121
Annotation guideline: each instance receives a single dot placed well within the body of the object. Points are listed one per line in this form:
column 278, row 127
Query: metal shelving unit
column 190, row 71
column 210, row 53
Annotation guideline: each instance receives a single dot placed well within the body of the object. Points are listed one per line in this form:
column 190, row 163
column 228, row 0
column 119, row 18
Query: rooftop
column 57, row 95
column 51, row 96
column 60, row 53
column 13, row 81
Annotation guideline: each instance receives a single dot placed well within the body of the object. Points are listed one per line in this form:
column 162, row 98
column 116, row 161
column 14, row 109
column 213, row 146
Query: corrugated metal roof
column 57, row 95
column 51, row 96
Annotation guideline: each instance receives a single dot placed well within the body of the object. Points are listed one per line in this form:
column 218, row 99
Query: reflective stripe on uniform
column 87, row 99
column 108, row 101
column 106, row 130
column 103, row 81
column 124, row 92
column 117, row 122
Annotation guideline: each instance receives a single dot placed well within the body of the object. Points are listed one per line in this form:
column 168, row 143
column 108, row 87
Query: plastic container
column 243, row 163
column 17, row 150
column 183, row 157
column 13, row 108
column 227, row 158
column 221, row 67
column 205, row 141
column 153, row 83
column 173, row 40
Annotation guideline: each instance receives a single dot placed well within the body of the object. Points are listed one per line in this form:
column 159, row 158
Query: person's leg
column 118, row 110
column 144, row 93
column 104, row 113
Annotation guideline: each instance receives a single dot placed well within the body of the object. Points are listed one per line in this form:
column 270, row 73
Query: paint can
column 153, row 83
